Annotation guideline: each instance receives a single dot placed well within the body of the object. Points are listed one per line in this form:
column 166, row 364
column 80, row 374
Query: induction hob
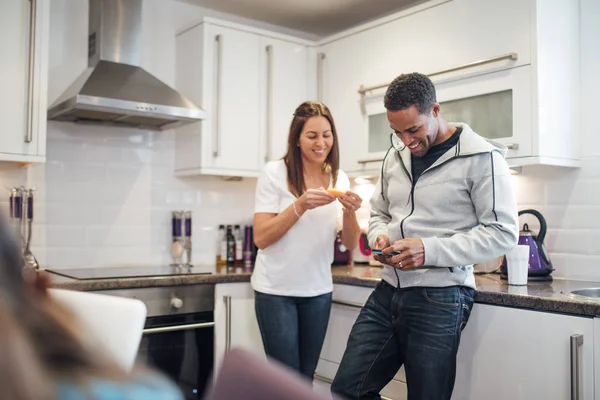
column 125, row 272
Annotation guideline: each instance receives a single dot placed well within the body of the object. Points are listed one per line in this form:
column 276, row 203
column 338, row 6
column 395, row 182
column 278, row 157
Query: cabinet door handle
column 227, row 323
column 576, row 343
column 217, row 115
column 320, row 58
column 31, row 69
column 269, row 50
column 512, row 146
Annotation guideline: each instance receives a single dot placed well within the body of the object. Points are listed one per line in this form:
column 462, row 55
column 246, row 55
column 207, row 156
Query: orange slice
column 336, row 193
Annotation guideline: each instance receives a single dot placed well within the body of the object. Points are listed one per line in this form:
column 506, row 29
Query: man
column 444, row 202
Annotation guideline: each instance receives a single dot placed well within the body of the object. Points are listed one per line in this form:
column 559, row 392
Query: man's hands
column 412, row 252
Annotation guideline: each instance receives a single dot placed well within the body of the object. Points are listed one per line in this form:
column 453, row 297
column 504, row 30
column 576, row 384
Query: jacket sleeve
column 498, row 231
column 380, row 212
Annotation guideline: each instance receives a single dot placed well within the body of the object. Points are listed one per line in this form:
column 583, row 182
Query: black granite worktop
column 541, row 296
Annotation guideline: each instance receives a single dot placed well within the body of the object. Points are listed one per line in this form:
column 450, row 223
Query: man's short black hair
column 408, row 90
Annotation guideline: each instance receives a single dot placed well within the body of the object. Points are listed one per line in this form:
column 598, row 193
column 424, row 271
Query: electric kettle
column 540, row 266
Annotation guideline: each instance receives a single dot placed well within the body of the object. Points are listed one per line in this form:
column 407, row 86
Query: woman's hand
column 351, row 201
column 313, row 198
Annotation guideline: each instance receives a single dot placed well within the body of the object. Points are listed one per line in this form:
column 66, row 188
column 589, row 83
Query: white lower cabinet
column 505, row 353
column 347, row 301
column 509, row 353
column 235, row 320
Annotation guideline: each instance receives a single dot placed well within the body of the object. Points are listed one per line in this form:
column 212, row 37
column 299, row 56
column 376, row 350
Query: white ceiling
column 316, row 17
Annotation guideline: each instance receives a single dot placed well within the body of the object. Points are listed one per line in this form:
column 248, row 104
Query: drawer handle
column 347, row 303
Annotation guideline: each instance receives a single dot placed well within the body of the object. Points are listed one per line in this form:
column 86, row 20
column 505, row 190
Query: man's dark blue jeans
column 416, row 327
column 293, row 329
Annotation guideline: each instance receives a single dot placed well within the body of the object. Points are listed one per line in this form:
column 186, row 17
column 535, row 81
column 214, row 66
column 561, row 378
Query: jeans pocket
column 466, row 303
column 444, row 297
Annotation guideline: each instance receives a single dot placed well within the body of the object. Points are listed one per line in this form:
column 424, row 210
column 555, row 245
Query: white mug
column 517, row 263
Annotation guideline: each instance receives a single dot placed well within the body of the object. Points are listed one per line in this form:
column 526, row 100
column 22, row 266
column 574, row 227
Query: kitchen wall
column 105, row 195
column 569, row 199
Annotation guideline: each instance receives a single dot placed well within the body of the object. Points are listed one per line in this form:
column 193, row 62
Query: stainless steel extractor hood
column 115, row 89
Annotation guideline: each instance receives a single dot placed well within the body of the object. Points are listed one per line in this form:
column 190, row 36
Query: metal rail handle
column 320, row 58
column 325, row 379
column 512, row 146
column 269, row 50
column 178, row 328
column 31, row 69
column 347, row 303
column 217, row 128
column 227, row 323
column 509, row 56
column 576, row 343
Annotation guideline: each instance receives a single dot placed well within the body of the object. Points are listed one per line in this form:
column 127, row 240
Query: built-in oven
column 178, row 337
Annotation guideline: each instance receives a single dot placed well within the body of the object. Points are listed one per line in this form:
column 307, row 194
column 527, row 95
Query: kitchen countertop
column 539, row 296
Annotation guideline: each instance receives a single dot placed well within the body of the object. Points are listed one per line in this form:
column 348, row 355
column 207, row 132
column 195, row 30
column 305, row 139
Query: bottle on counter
column 239, row 246
column 248, row 238
column 222, row 247
column 177, row 247
column 187, row 241
column 230, row 256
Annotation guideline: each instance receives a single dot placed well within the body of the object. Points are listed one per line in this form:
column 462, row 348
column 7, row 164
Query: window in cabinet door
column 490, row 114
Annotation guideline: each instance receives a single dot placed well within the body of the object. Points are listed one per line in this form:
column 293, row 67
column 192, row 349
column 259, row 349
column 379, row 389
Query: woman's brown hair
column 39, row 340
column 293, row 157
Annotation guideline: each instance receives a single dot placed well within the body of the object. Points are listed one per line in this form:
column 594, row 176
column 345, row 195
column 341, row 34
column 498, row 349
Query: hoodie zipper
column 412, row 193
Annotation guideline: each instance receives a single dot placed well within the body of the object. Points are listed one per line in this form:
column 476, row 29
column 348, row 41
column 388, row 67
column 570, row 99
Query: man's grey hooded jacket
column 463, row 208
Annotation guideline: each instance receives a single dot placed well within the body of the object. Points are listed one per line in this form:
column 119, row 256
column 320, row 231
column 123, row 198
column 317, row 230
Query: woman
column 41, row 356
column 296, row 221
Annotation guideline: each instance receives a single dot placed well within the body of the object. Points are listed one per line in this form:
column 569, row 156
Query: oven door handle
column 178, row 328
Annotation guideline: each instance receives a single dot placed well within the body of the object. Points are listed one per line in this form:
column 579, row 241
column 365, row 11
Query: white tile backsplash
column 105, row 195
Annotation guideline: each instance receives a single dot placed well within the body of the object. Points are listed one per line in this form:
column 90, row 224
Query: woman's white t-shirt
column 298, row 264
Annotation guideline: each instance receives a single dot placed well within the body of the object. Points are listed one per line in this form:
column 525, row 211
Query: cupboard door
column 23, row 61
column 285, row 86
column 236, row 100
column 522, row 354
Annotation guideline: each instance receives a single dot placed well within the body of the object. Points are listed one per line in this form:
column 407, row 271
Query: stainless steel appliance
column 115, row 89
column 178, row 334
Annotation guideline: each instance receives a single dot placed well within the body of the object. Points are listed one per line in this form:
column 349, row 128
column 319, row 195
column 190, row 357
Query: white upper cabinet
column 250, row 84
column 23, row 81
column 509, row 69
column 286, row 87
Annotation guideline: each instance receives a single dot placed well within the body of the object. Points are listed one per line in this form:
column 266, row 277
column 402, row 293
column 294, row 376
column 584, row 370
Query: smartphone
column 378, row 253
